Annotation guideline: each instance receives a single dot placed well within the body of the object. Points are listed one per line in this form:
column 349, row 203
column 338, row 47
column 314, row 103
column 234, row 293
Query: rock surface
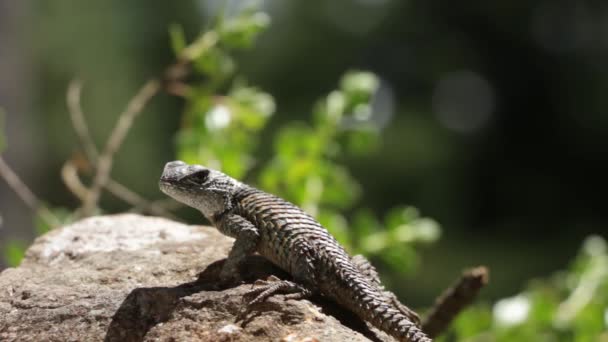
column 136, row 278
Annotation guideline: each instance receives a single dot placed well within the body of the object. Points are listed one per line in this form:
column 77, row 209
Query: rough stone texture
column 135, row 278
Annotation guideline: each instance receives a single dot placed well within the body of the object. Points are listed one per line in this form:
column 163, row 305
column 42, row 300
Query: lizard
column 292, row 240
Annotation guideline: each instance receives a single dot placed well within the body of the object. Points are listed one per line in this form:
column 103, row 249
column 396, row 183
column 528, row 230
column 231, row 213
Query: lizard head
column 205, row 189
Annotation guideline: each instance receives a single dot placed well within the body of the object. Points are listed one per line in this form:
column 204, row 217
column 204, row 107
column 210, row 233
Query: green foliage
column 241, row 31
column 306, row 169
column 570, row 306
column 393, row 241
column 221, row 129
column 14, row 251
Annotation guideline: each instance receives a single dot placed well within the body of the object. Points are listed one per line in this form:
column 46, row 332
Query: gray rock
column 135, row 278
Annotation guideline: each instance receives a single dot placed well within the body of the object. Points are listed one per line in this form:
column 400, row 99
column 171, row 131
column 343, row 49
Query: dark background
column 497, row 111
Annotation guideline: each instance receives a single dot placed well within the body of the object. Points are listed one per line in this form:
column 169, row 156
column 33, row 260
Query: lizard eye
column 198, row 177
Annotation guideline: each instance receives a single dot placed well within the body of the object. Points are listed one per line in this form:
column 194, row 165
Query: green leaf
column 177, row 38
column 339, row 188
column 13, row 252
column 259, row 101
column 298, row 141
column 399, row 216
column 216, row 64
column 336, row 224
column 401, row 258
column 423, row 230
column 364, row 223
column 363, row 141
column 240, row 32
column 472, row 322
column 359, row 84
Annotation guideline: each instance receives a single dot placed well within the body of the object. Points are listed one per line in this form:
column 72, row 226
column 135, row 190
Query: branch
column 454, row 299
column 69, row 174
column 139, row 203
column 105, row 161
column 26, row 195
column 78, row 121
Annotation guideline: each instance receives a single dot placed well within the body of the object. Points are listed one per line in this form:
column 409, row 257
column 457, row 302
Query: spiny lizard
column 294, row 241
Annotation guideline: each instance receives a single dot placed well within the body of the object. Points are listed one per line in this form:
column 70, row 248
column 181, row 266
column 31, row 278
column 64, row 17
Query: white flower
column 218, row 117
column 511, row 311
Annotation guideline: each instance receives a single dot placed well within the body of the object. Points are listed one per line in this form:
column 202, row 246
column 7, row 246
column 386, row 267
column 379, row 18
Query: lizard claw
column 269, row 288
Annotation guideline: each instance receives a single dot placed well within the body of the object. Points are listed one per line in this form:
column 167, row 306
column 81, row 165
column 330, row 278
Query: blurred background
column 493, row 114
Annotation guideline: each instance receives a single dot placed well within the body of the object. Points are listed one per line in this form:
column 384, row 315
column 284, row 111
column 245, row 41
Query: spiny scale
column 289, row 236
column 294, row 241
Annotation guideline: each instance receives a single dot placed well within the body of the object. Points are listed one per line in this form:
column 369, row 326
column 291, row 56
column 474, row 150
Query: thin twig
column 138, row 202
column 78, row 122
column 174, row 73
column 454, row 299
column 105, row 160
column 26, row 195
column 69, row 174
column 69, row 171
column 179, row 89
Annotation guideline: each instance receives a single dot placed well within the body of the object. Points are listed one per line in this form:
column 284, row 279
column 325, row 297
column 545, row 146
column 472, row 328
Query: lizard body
column 294, row 241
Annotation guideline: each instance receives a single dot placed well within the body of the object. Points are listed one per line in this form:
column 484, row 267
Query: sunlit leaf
column 14, row 251
column 337, row 226
column 340, row 189
column 297, row 141
column 399, row 216
column 472, row 322
column 359, row 86
column 364, row 223
column 177, row 38
column 402, row 258
column 241, row 31
column 375, row 242
column 363, row 141
column 215, row 64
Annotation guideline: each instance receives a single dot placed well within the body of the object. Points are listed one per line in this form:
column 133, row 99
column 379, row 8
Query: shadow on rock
column 146, row 307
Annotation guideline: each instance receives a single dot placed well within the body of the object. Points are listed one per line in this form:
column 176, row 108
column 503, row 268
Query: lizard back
column 290, row 237
column 296, row 242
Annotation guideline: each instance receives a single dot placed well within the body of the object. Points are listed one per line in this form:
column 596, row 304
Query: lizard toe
column 261, row 293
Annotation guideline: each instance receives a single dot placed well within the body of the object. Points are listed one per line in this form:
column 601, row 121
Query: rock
column 135, row 278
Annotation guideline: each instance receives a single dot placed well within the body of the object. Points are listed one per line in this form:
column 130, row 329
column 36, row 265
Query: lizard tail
column 368, row 302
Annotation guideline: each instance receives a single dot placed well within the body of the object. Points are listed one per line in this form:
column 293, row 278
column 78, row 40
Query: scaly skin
column 294, row 241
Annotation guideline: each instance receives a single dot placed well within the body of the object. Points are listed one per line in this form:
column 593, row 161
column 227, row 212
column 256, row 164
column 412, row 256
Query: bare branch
column 104, row 163
column 26, row 195
column 69, row 174
column 454, row 299
column 138, row 202
column 178, row 89
column 78, row 121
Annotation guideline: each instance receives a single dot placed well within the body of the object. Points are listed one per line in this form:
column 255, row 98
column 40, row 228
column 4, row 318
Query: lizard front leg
column 247, row 238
